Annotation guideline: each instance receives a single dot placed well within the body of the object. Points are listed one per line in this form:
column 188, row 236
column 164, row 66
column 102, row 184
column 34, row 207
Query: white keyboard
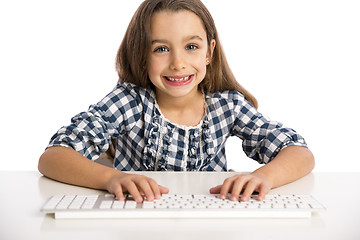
column 181, row 206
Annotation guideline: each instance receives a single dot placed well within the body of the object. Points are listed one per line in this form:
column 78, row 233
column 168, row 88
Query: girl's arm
column 67, row 165
column 290, row 164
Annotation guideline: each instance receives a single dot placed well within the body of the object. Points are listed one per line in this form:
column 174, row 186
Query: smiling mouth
column 178, row 81
column 178, row 78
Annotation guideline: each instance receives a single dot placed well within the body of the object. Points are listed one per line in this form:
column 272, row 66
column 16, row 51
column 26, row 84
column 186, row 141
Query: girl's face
column 179, row 53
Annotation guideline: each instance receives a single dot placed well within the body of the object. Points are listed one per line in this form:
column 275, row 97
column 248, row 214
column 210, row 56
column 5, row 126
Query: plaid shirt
column 146, row 140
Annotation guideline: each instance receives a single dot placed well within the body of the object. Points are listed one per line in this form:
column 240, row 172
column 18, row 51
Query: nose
column 177, row 61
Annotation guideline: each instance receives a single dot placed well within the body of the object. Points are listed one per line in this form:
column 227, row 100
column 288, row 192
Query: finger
column 144, row 185
column 249, row 189
column 155, row 188
column 163, row 190
column 263, row 190
column 119, row 194
column 225, row 188
column 215, row 190
column 236, row 189
column 133, row 190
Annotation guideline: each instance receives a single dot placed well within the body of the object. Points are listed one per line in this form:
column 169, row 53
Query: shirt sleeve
column 90, row 132
column 262, row 139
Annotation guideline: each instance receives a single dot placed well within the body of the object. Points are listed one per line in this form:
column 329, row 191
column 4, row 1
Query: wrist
column 110, row 174
column 266, row 177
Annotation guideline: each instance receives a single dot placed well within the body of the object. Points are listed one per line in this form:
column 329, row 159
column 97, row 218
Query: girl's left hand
column 246, row 182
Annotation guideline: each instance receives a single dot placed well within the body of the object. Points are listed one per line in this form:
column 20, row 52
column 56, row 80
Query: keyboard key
column 240, row 205
column 278, row 206
column 187, row 206
column 185, row 197
column 226, row 206
column 265, row 205
column 200, row 206
column 77, row 202
column 148, row 204
column 89, row 202
column 161, row 205
column 118, row 204
column 168, row 196
column 54, row 200
column 200, row 197
column 130, row 204
column 291, row 206
column 106, row 204
column 304, row 206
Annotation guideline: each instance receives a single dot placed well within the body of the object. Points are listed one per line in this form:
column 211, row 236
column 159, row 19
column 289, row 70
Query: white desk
column 23, row 193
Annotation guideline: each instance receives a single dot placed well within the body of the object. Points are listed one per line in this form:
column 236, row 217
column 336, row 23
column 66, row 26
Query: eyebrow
column 185, row 39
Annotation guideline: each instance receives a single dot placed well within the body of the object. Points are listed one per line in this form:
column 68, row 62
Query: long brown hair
column 131, row 59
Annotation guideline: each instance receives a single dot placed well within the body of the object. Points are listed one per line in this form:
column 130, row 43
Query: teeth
column 178, row 79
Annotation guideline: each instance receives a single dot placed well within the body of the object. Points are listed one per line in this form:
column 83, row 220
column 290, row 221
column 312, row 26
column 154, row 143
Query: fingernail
column 139, row 199
column 157, row 196
column 222, row 197
column 244, row 198
column 233, row 198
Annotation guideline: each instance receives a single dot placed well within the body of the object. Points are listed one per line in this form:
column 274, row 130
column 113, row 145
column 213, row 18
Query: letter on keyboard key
column 185, row 196
column 226, row 206
column 160, row 205
column 174, row 205
column 199, row 205
column 187, row 206
column 168, row 196
column 240, row 205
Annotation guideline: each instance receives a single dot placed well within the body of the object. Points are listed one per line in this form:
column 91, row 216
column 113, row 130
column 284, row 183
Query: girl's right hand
column 136, row 185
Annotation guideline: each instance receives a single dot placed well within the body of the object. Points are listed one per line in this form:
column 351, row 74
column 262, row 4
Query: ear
column 211, row 50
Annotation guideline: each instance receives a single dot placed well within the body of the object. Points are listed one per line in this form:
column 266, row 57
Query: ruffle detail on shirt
column 209, row 145
column 194, row 149
column 151, row 143
column 168, row 132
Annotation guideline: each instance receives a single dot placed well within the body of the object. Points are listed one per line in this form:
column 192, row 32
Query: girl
column 173, row 108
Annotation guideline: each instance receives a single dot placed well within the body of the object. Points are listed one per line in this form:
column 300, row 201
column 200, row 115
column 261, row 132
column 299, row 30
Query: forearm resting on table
column 290, row 164
column 66, row 165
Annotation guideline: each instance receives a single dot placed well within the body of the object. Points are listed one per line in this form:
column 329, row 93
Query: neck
column 179, row 103
column 186, row 111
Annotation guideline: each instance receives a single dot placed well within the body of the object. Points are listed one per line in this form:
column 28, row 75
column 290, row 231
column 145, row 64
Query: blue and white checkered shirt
column 146, row 140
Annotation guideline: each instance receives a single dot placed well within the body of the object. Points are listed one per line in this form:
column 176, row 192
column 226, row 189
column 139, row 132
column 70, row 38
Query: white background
column 301, row 59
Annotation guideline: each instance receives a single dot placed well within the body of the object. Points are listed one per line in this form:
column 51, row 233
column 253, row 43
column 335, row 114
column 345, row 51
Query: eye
column 161, row 49
column 191, row 47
